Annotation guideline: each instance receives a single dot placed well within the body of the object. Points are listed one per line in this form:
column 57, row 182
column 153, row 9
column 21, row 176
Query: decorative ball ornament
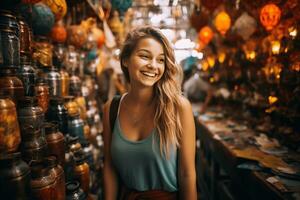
column 58, row 33
column 58, row 7
column 269, row 16
column 206, row 35
column 121, row 5
column 42, row 19
column 77, row 36
column 222, row 22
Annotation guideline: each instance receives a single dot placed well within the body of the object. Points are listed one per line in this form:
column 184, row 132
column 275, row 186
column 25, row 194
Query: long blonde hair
column 167, row 90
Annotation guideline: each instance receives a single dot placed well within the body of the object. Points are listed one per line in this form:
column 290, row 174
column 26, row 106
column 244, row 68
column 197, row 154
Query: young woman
column 151, row 149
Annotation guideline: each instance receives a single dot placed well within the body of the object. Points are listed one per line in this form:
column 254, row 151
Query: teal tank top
column 140, row 164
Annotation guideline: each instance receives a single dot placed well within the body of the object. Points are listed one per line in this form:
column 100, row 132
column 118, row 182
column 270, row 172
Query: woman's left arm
column 187, row 171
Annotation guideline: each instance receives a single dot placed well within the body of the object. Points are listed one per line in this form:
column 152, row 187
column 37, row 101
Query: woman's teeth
column 149, row 74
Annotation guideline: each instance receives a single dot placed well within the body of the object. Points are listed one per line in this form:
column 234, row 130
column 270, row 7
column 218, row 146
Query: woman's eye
column 144, row 56
column 161, row 60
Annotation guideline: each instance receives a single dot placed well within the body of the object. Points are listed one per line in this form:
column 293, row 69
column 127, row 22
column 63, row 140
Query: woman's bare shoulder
column 184, row 104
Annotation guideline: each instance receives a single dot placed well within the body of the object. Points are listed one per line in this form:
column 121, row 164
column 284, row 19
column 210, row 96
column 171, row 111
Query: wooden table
column 217, row 162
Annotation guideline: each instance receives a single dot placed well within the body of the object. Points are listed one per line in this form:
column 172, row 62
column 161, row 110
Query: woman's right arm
column 109, row 174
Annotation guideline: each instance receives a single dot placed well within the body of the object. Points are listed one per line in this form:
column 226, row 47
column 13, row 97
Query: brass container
column 42, row 53
column 82, row 172
column 74, row 191
column 80, row 100
column 57, row 171
column 56, row 142
column 15, row 177
column 43, row 95
column 42, row 182
column 25, row 38
column 65, row 82
column 86, row 131
column 71, row 105
column 11, row 85
column 10, row 137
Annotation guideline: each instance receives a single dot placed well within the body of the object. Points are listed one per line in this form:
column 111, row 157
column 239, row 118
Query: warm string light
column 292, row 32
column 275, row 46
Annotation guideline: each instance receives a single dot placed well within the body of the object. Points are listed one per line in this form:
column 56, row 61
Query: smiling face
column 146, row 64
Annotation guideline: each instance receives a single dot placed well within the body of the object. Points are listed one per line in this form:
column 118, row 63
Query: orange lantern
column 58, row 33
column 206, row 35
column 270, row 16
column 222, row 22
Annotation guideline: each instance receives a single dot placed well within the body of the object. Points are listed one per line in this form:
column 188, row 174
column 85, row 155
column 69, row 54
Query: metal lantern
column 270, row 16
column 206, row 35
column 222, row 22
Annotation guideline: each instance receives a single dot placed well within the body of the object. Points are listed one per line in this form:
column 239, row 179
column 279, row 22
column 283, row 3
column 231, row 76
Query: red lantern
column 270, row 16
column 58, row 33
column 205, row 35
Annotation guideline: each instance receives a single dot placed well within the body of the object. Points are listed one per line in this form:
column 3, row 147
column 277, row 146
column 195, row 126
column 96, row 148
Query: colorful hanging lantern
column 206, row 35
column 270, row 16
column 222, row 22
column 42, row 19
column 58, row 7
column 58, row 33
column 245, row 26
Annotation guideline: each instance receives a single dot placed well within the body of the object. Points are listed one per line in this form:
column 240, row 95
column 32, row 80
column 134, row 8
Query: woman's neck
column 141, row 96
